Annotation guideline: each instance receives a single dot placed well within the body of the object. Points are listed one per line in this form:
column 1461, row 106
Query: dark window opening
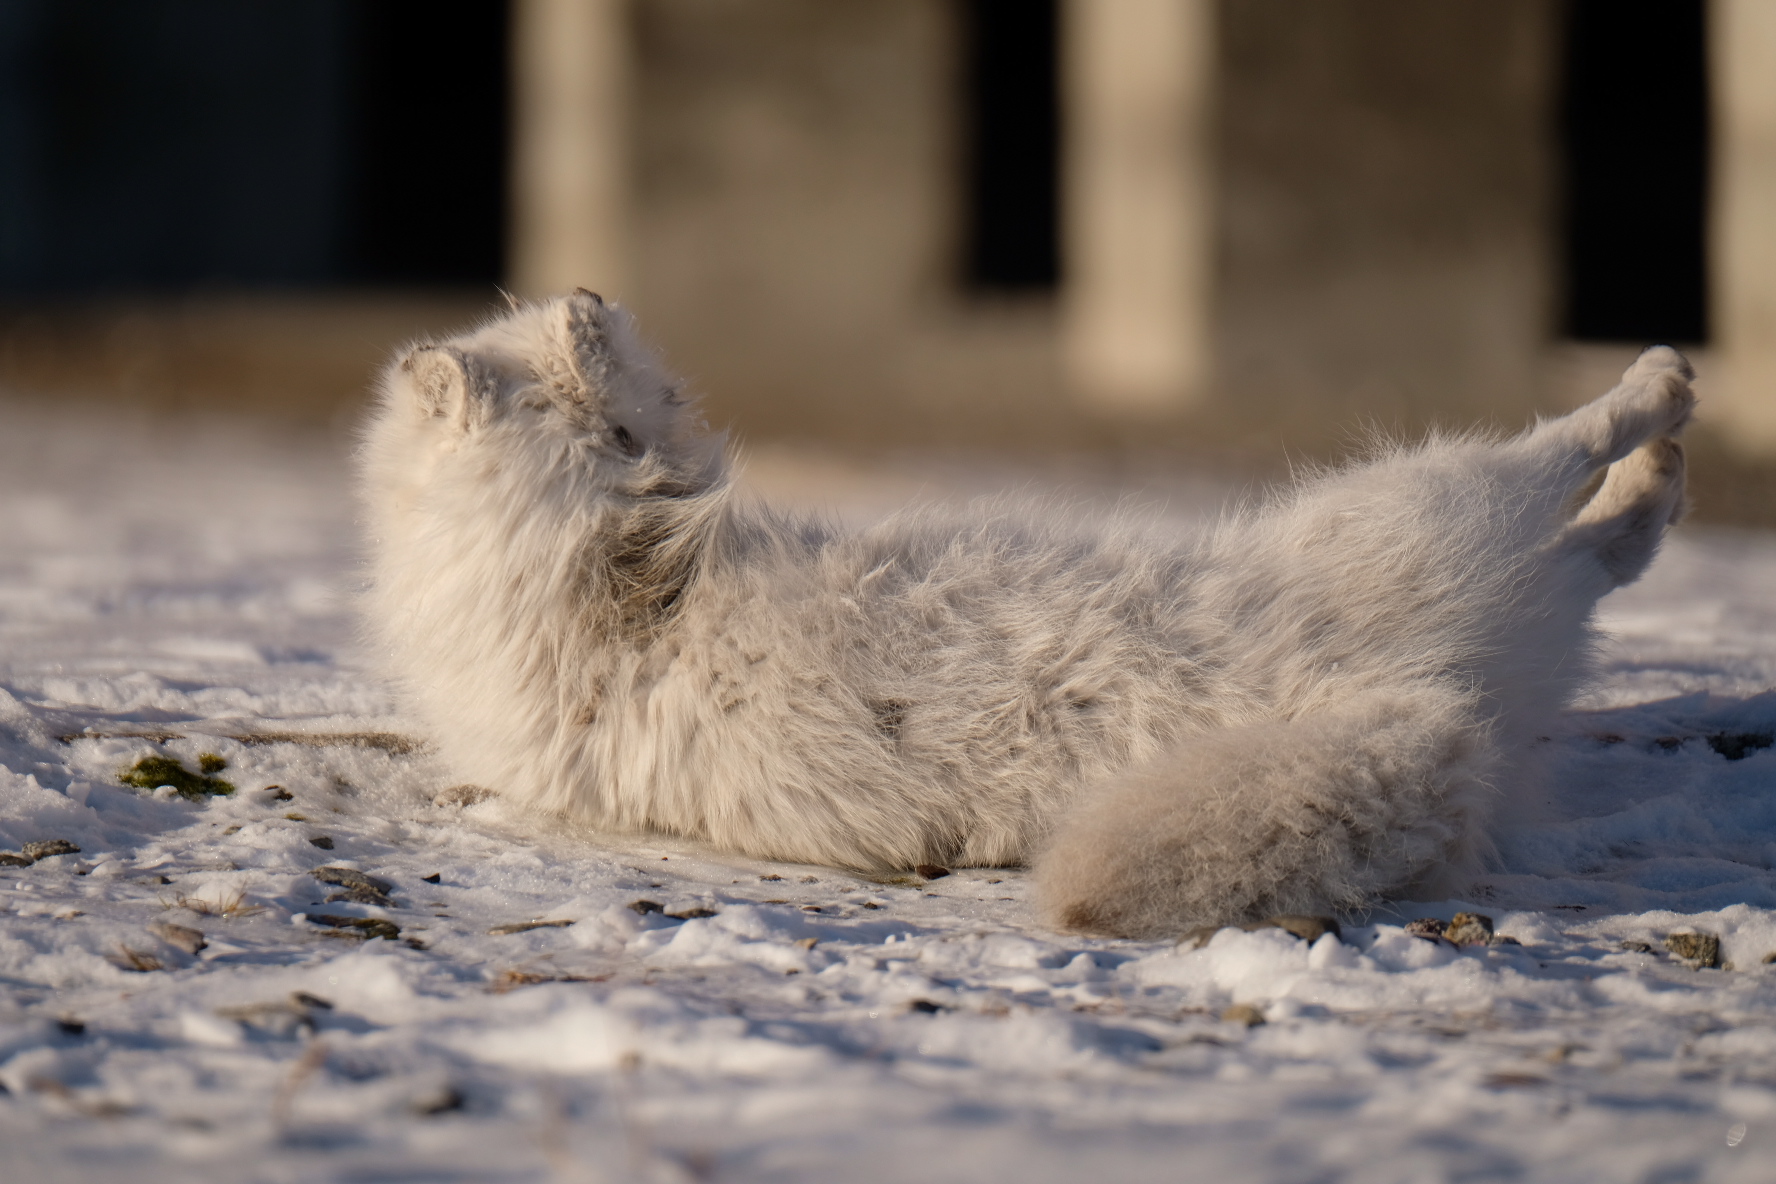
column 429, row 157
column 160, row 145
column 1012, row 235
column 1634, row 125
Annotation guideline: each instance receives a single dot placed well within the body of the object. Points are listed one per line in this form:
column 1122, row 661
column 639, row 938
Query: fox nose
column 593, row 296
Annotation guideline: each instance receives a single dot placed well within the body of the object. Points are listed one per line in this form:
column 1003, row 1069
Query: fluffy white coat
column 1313, row 705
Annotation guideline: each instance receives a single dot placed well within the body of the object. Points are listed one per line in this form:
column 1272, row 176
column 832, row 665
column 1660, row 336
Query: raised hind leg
column 1610, row 538
column 1653, row 400
column 1620, row 528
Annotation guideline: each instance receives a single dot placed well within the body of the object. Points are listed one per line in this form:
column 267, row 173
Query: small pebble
column 1307, row 928
column 351, row 877
column 1199, row 937
column 361, row 895
column 323, row 842
column 183, row 936
column 1243, row 1013
column 462, row 795
column 433, row 878
column 527, row 926
column 1637, row 947
column 444, row 1101
column 1469, row 929
column 931, row 871
column 358, row 927
column 44, row 848
column 1700, row 950
column 1427, row 927
column 280, row 1021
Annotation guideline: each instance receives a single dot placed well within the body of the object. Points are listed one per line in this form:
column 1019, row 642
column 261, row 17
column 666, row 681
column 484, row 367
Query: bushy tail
column 1318, row 813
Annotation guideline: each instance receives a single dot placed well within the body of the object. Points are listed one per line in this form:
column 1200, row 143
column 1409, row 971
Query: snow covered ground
column 192, row 583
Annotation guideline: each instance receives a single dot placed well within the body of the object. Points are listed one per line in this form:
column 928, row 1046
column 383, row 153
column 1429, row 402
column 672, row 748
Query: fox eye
column 625, row 441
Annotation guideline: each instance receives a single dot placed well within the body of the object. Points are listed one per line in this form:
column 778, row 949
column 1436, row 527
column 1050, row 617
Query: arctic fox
column 1310, row 706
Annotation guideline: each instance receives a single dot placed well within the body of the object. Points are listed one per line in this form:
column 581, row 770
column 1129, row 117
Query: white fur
column 1311, row 706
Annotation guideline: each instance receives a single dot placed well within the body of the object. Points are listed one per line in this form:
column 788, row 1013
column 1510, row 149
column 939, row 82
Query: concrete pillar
column 1743, row 223
column 1137, row 81
column 571, row 81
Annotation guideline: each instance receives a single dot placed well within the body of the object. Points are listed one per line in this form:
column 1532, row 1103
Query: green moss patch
column 152, row 772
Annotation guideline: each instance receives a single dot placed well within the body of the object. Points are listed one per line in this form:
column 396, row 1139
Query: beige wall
column 796, row 223
column 1743, row 222
column 571, row 146
column 1380, row 176
column 1385, row 210
column 1138, row 199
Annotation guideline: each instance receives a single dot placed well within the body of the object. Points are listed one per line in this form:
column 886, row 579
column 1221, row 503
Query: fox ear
column 449, row 384
column 585, row 317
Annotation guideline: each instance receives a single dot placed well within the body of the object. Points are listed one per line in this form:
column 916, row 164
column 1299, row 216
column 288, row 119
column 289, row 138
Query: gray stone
column 442, row 1101
column 1700, row 950
column 526, row 926
column 1469, row 929
column 44, row 848
column 183, row 936
column 280, row 1021
column 361, row 896
column 362, row 928
column 1307, row 928
column 1199, row 937
column 462, row 796
column 348, row 878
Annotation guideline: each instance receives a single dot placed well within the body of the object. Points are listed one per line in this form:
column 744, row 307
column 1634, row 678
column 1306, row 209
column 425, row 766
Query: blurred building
column 1056, row 223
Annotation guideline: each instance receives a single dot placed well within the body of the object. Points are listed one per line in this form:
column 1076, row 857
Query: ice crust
column 941, row 1035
